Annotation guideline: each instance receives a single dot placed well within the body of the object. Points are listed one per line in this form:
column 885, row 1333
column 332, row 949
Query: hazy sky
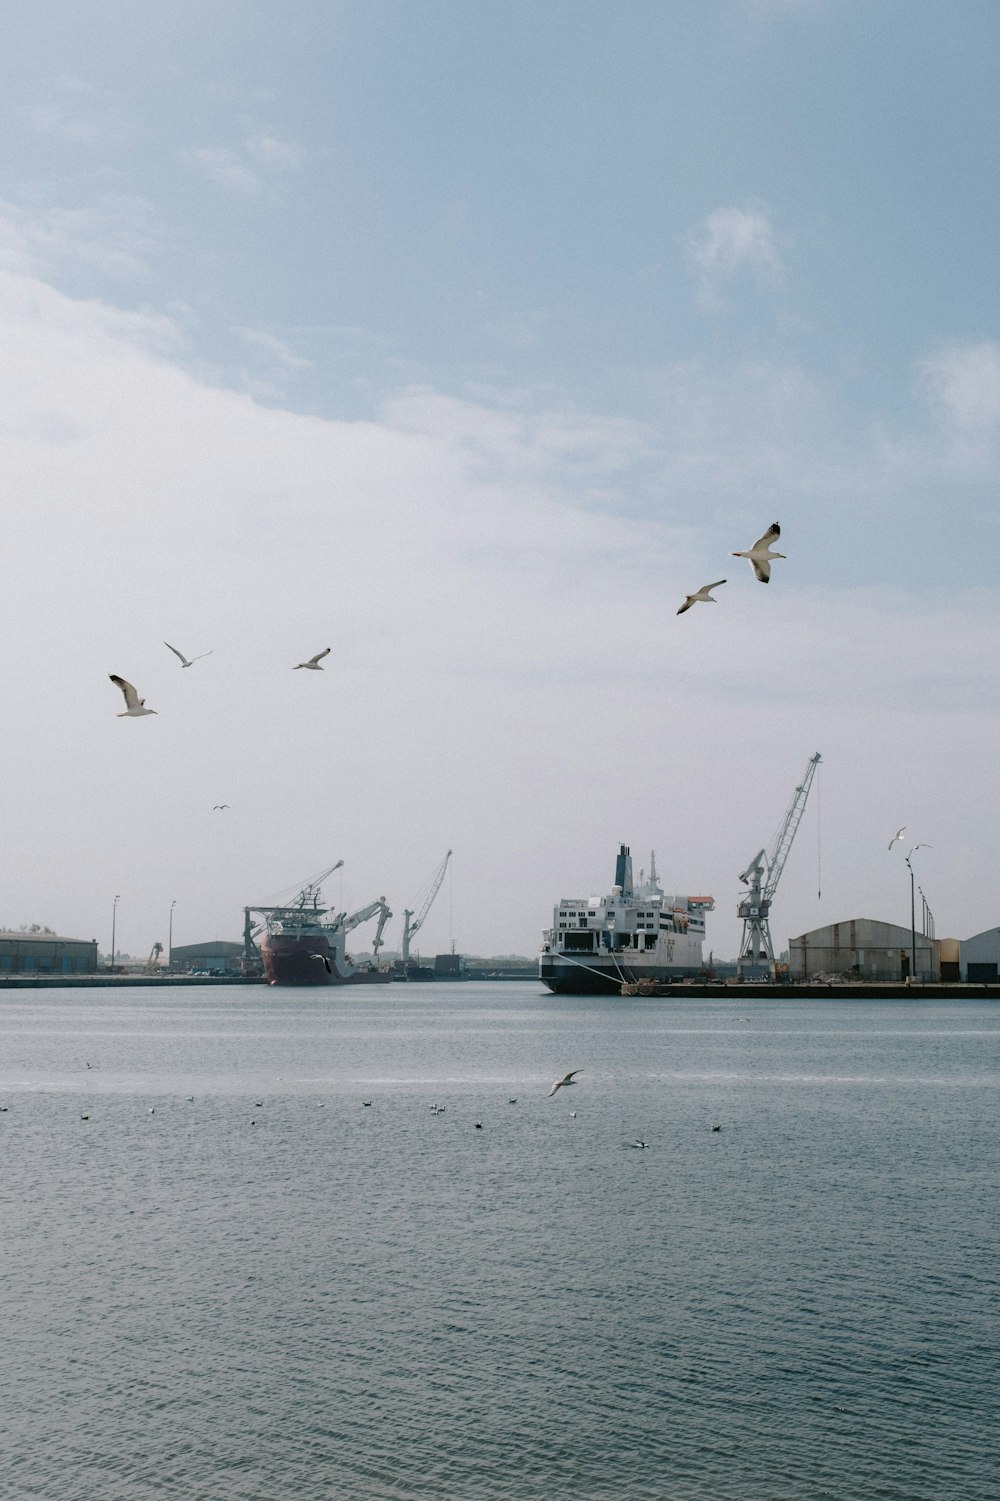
column 465, row 340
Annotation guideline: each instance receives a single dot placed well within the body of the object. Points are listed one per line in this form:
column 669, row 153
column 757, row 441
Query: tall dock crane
column 409, row 928
column 762, row 876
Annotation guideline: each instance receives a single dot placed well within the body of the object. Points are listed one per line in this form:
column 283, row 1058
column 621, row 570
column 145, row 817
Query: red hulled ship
column 301, row 944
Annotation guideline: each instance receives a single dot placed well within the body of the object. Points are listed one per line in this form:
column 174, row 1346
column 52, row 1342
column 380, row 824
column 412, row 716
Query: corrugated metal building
column 861, row 949
column 46, row 954
column 218, row 955
column 979, row 957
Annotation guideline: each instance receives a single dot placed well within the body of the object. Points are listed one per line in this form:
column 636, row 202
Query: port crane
column 362, row 915
column 762, row 876
column 409, row 928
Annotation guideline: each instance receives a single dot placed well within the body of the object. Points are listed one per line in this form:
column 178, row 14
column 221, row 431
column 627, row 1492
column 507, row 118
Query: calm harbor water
column 271, row 1291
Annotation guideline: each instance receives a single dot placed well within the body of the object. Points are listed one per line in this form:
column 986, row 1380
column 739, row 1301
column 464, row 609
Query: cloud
column 729, row 241
column 508, row 674
column 220, row 164
column 245, row 171
column 79, row 115
column 115, row 235
column 963, row 383
column 275, row 155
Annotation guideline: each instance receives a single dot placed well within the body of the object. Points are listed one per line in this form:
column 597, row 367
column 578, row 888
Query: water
column 226, row 1300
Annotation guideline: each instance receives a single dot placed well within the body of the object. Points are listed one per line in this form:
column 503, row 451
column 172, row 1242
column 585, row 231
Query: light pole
column 170, row 939
column 114, row 916
column 913, row 912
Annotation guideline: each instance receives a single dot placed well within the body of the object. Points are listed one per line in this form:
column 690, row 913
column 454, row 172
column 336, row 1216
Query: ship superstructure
column 301, row 944
column 637, row 932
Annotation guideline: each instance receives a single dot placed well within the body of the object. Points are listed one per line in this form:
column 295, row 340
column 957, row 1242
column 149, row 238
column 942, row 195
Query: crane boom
column 409, row 928
column 788, row 830
column 762, row 876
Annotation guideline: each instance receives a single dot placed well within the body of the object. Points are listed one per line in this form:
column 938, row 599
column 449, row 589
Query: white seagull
column 703, row 595
column 560, row 1083
column 134, row 705
column 186, row 661
column 898, row 835
column 313, row 663
column 760, row 554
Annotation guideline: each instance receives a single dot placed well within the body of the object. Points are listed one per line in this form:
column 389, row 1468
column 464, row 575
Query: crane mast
column 762, row 876
column 409, row 928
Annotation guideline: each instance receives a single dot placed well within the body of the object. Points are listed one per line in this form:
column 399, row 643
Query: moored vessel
column 301, row 944
column 637, row 933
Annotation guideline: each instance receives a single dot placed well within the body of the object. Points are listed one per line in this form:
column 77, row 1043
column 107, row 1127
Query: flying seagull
column 898, row 835
column 217, row 807
column 703, row 594
column 185, row 661
column 324, row 959
column 134, row 705
column 569, row 1079
column 760, row 554
column 313, row 663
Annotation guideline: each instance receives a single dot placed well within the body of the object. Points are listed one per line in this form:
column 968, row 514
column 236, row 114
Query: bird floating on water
column 561, row 1083
column 134, row 705
column 702, row 596
column 313, row 663
column 640, row 1143
column 186, row 661
column 760, row 555
column 898, row 835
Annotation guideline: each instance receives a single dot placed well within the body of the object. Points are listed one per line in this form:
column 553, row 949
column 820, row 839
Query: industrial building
column 979, row 957
column 863, row 949
column 219, row 956
column 46, row 954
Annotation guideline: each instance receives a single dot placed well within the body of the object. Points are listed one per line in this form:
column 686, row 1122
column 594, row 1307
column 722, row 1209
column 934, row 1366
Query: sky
column 466, row 341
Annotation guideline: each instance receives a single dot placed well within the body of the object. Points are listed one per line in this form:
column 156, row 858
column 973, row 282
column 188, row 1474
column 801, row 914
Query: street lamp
column 913, row 911
column 114, row 915
column 170, row 939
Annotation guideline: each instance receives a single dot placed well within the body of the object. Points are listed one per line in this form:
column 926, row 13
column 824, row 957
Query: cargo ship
column 302, row 944
column 598, row 945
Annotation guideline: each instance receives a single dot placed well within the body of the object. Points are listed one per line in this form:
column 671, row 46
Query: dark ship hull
column 299, row 960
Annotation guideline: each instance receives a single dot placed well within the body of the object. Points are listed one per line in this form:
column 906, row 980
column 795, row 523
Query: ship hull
column 564, row 978
column 311, row 961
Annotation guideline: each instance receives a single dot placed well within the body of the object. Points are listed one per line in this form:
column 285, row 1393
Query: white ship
column 635, row 934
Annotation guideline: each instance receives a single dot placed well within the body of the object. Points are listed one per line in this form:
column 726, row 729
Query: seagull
column 639, row 1142
column 898, row 835
column 313, row 663
column 366, row 1103
column 760, row 554
column 217, row 807
column 134, row 705
column 324, row 960
column 186, row 661
column 716, row 1128
column 569, row 1079
column 703, row 595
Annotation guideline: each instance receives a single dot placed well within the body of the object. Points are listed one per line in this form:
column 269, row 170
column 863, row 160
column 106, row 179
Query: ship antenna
column 652, row 868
